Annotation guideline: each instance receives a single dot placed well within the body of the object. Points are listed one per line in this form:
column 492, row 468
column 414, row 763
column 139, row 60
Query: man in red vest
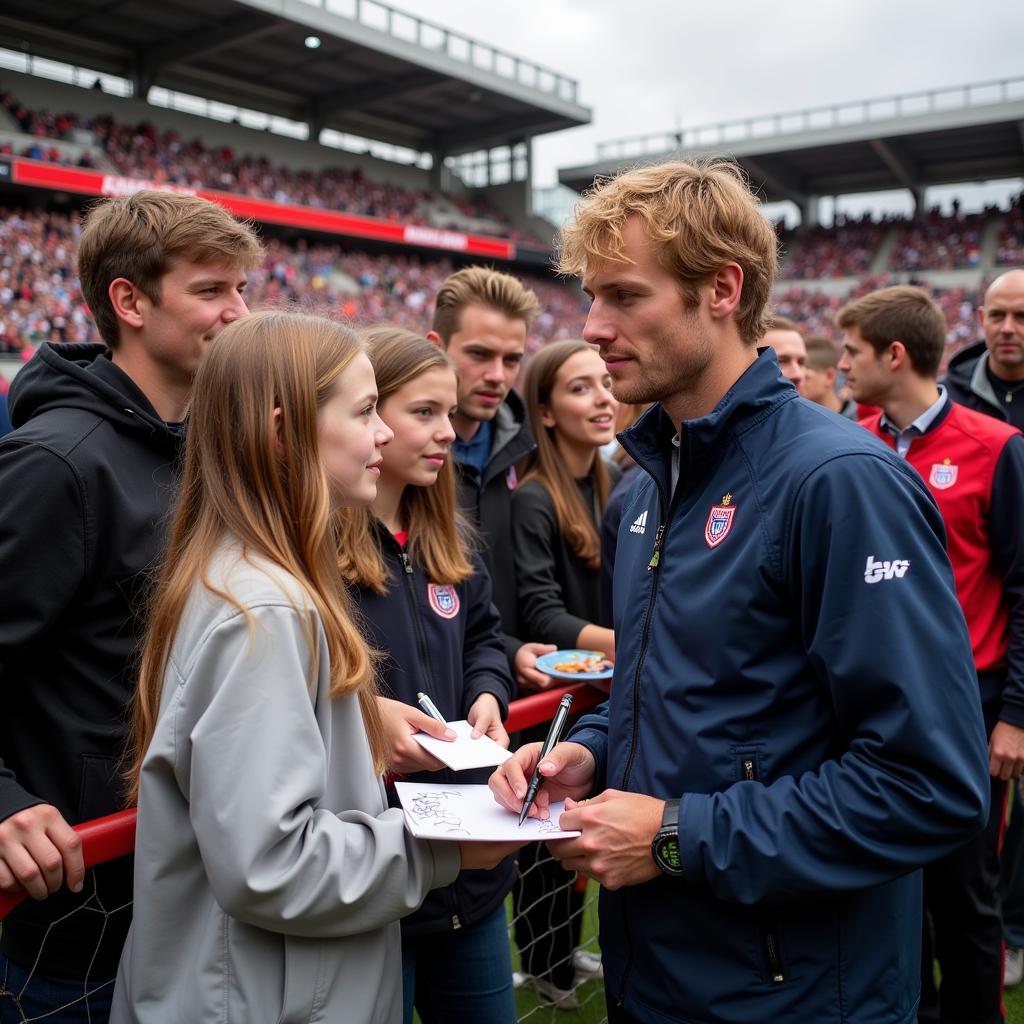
column 974, row 467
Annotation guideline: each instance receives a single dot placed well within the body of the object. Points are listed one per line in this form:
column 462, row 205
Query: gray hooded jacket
column 269, row 873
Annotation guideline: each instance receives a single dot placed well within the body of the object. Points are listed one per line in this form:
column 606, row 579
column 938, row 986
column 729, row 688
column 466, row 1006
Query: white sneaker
column 559, row 998
column 1013, row 970
column 587, row 965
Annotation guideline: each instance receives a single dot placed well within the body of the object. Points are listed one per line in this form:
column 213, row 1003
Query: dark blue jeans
column 26, row 998
column 460, row 977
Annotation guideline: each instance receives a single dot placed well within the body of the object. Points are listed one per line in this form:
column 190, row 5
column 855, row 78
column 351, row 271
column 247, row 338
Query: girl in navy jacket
column 425, row 597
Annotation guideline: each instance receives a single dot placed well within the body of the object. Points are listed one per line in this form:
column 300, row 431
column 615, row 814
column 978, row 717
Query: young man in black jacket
column 85, row 481
column 481, row 320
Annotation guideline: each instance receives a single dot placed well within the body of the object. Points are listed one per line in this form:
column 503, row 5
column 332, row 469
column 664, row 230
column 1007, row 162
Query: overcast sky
column 650, row 66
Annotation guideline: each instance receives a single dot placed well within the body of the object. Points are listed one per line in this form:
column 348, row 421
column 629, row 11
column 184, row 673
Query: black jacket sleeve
column 484, row 661
column 1007, row 541
column 535, row 535
column 42, row 564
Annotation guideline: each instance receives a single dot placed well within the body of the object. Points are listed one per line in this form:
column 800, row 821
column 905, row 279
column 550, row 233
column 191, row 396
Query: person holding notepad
column 425, row 599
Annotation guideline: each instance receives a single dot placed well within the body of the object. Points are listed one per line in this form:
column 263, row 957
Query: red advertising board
column 96, row 183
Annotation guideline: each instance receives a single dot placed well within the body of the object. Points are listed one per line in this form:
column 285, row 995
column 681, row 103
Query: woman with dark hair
column 557, row 511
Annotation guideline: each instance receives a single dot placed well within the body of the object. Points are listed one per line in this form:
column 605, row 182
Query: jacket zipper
column 421, row 646
column 421, row 640
column 652, row 567
column 769, row 934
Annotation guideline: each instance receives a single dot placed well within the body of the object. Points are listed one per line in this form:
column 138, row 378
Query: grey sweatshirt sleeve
column 259, row 756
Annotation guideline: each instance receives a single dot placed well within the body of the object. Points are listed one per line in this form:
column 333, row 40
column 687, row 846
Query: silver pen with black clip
column 552, row 738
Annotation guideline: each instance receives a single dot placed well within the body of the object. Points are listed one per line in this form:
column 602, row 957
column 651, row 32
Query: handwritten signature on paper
column 433, row 807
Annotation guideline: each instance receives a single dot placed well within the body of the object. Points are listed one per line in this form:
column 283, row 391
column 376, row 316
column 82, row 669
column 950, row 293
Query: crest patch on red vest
column 943, row 475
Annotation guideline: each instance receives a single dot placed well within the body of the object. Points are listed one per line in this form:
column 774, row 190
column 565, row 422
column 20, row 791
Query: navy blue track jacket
column 795, row 667
column 445, row 641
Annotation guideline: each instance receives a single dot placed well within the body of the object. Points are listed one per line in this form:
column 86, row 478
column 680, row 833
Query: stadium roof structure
column 939, row 136
column 356, row 66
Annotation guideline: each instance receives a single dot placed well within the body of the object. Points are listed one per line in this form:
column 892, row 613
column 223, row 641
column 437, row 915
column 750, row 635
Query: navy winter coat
column 795, row 667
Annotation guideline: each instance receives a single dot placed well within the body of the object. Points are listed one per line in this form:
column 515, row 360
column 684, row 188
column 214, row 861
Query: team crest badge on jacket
column 444, row 599
column 943, row 475
column 719, row 523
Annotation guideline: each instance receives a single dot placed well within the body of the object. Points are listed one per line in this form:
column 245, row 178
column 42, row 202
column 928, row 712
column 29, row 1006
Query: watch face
column 666, row 853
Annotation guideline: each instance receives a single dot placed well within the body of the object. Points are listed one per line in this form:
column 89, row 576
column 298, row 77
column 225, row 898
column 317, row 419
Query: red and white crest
column 444, row 599
column 943, row 475
column 719, row 523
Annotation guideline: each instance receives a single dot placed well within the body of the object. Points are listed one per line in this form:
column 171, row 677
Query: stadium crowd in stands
column 142, row 150
column 938, row 242
column 41, row 299
column 1010, row 244
column 843, row 250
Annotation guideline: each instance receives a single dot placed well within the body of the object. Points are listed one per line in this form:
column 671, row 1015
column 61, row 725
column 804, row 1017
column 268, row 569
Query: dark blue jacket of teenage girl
column 445, row 641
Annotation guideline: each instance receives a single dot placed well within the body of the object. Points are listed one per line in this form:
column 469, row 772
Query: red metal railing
column 106, row 838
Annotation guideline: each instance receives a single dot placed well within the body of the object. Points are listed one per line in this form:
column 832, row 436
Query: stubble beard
column 681, row 375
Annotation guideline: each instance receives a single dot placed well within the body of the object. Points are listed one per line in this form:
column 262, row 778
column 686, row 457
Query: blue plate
column 547, row 663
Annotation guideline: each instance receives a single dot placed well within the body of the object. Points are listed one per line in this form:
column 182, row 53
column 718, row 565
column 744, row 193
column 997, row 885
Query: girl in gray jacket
column 269, row 873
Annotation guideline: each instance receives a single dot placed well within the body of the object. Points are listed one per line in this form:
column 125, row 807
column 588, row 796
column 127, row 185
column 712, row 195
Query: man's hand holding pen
column 567, row 771
column 617, row 828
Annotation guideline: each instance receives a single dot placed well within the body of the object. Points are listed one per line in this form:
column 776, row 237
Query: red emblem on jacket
column 719, row 523
column 444, row 599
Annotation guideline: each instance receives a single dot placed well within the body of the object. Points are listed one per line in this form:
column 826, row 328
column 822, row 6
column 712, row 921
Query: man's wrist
column 665, row 845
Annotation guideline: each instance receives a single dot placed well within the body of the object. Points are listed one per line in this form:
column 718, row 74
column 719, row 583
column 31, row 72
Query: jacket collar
column 758, row 391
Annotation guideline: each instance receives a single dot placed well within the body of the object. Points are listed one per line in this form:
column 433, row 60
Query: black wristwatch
column 665, row 845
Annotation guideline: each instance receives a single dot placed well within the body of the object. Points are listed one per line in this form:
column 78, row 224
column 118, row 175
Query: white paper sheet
column 463, row 813
column 464, row 752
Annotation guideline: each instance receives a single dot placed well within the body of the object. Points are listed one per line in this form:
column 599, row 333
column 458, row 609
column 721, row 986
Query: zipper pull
column 656, row 554
column 406, row 564
column 748, row 769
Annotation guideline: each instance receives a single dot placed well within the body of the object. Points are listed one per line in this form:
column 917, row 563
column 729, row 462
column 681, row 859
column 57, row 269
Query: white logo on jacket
column 640, row 523
column 875, row 572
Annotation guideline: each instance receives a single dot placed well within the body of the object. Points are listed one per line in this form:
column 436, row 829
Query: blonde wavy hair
column 698, row 216
column 262, row 484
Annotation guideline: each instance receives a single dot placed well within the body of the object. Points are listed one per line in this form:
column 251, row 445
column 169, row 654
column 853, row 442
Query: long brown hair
column 546, row 465
column 438, row 534
column 263, row 485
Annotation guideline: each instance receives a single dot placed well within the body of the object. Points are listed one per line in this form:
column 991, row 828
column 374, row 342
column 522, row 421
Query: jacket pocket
column 747, row 761
column 101, row 789
column 772, row 953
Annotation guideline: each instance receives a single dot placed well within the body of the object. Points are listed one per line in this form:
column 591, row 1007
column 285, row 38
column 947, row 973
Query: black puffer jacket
column 445, row 641
column 86, row 480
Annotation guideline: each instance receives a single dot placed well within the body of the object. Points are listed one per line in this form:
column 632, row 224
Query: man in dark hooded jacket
column 86, row 479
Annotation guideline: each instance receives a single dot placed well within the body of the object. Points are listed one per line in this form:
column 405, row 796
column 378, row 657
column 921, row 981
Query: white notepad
column 462, row 813
column 464, row 752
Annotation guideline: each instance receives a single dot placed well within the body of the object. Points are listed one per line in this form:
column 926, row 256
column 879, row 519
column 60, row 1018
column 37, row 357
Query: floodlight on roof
column 312, row 42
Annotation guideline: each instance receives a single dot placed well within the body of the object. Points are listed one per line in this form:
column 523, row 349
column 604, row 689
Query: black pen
column 428, row 707
column 553, row 736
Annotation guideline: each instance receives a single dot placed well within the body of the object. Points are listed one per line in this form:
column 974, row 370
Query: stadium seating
column 142, row 150
column 41, row 299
